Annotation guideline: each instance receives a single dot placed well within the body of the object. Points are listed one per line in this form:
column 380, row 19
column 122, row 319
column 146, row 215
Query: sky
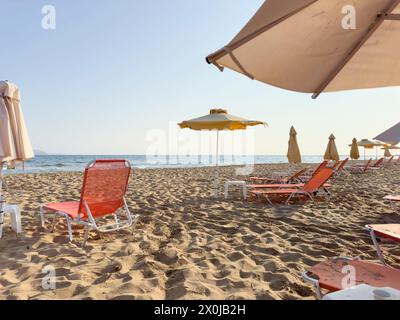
column 114, row 72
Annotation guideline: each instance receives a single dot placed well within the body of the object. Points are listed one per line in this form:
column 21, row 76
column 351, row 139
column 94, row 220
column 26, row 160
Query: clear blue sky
column 113, row 70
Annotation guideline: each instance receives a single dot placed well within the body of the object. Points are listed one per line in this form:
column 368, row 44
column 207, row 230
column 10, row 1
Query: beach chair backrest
column 378, row 162
column 342, row 164
column 367, row 165
column 104, row 187
column 322, row 165
column 317, row 181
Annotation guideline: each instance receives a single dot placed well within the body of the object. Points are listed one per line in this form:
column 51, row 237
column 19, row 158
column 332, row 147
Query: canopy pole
column 216, row 175
column 378, row 21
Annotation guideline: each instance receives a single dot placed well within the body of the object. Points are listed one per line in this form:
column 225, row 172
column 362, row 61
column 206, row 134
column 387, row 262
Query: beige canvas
column 302, row 46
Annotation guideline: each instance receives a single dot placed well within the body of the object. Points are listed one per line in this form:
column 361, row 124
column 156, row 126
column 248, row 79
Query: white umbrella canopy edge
column 271, row 45
column 15, row 144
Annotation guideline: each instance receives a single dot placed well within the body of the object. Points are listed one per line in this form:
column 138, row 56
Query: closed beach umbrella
column 387, row 153
column 331, row 152
column 218, row 120
column 15, row 144
column 354, row 152
column 318, row 46
column 390, row 136
column 293, row 154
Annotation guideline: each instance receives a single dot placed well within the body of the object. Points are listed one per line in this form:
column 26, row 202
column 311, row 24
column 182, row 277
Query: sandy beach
column 187, row 245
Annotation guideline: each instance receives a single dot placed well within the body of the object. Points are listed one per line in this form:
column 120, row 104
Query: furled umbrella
column 317, row 46
column 14, row 140
column 293, row 154
column 387, row 153
column 354, row 152
column 219, row 120
column 331, row 152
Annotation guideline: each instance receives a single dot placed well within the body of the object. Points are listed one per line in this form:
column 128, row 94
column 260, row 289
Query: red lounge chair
column 340, row 273
column 387, row 231
column 389, row 162
column 308, row 176
column 309, row 189
column 103, row 194
column 293, row 179
column 341, row 167
column 377, row 165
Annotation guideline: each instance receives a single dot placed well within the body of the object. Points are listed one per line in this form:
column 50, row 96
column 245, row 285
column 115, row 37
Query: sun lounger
column 309, row 189
column 103, row 195
column 341, row 273
column 389, row 162
column 309, row 174
column 292, row 179
column 387, row 231
column 341, row 167
column 379, row 164
column 360, row 168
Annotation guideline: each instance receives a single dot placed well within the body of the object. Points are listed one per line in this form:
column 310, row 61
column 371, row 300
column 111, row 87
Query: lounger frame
column 91, row 223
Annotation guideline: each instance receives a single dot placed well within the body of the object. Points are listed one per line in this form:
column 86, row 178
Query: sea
column 71, row 163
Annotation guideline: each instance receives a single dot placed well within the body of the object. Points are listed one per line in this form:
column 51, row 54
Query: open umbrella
column 293, row 154
column 354, row 152
column 369, row 144
column 218, row 120
column 313, row 46
column 331, row 152
column 14, row 140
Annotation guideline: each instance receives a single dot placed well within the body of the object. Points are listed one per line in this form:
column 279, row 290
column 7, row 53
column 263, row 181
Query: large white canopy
column 14, row 140
column 301, row 45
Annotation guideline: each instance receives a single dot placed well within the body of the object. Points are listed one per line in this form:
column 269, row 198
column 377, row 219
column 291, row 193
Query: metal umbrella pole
column 216, row 174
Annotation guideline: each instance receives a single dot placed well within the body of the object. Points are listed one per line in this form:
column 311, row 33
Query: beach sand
column 187, row 245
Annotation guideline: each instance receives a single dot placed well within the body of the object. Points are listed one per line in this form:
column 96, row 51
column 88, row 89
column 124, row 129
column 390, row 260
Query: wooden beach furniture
column 341, row 273
column 310, row 189
column 103, row 195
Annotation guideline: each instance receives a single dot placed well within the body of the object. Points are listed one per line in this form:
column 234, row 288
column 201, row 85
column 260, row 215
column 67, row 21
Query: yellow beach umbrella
column 331, row 152
column 293, row 154
column 354, row 152
column 218, row 120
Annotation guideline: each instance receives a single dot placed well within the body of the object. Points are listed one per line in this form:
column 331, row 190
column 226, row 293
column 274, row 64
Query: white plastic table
column 362, row 292
column 241, row 184
column 15, row 215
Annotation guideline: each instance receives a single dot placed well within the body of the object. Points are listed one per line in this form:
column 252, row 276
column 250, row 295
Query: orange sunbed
column 292, row 179
column 340, row 273
column 309, row 189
